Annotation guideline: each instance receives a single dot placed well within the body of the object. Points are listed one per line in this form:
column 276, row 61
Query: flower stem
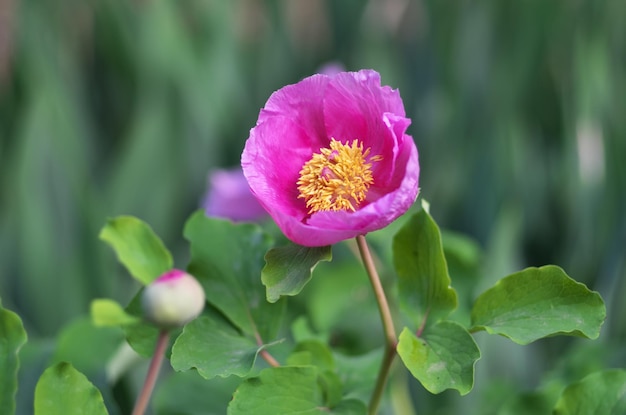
column 387, row 321
column 153, row 373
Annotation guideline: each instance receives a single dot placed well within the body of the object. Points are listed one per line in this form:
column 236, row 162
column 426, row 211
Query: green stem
column 153, row 373
column 387, row 321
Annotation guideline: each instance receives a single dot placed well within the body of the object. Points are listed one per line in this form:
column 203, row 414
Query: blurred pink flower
column 331, row 68
column 229, row 197
column 329, row 158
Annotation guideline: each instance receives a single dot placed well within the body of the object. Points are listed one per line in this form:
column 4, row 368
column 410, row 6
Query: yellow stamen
column 337, row 178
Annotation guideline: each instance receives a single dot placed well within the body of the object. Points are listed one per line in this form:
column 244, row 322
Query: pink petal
column 229, row 196
column 272, row 164
column 300, row 119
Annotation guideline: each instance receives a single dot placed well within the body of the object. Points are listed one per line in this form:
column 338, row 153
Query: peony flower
column 329, row 158
column 229, row 197
column 331, row 68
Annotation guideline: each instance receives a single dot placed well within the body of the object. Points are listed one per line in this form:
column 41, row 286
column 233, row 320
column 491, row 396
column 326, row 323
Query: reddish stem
column 153, row 373
column 264, row 353
column 387, row 321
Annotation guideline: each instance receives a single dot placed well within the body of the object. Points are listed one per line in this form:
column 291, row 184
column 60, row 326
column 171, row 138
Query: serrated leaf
column 108, row 313
column 214, row 348
column 62, row 390
column 287, row 390
column 12, row 338
column 539, row 302
column 226, row 259
column 137, row 247
column 442, row 358
column 288, row 268
column 423, row 280
column 598, row 393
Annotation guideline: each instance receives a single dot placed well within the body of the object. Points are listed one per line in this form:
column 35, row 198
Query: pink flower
column 229, row 197
column 329, row 158
column 331, row 68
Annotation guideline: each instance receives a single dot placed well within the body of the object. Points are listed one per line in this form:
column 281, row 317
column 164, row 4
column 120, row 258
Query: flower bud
column 173, row 299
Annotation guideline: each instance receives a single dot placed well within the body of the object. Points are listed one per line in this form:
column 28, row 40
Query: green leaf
column 314, row 353
column 62, row 390
column 301, row 330
column 539, row 302
column 289, row 268
column 347, row 407
column 214, row 348
column 106, row 312
column 463, row 257
column 342, row 302
column 226, row 259
column 318, row 354
column 186, row 393
column 12, row 338
column 141, row 336
column 358, row 373
column 443, row 358
column 423, row 280
column 87, row 347
column 332, row 389
column 137, row 247
column 287, row 390
column 598, row 393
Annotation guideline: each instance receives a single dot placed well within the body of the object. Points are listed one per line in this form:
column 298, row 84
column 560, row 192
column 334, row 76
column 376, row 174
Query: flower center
column 337, row 178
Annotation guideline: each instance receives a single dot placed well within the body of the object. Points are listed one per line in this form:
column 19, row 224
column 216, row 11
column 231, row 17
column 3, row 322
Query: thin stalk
column 387, row 321
column 153, row 372
column 269, row 358
column 264, row 353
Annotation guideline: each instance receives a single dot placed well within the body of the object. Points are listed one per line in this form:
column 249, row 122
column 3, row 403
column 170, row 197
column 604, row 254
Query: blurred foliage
column 118, row 107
